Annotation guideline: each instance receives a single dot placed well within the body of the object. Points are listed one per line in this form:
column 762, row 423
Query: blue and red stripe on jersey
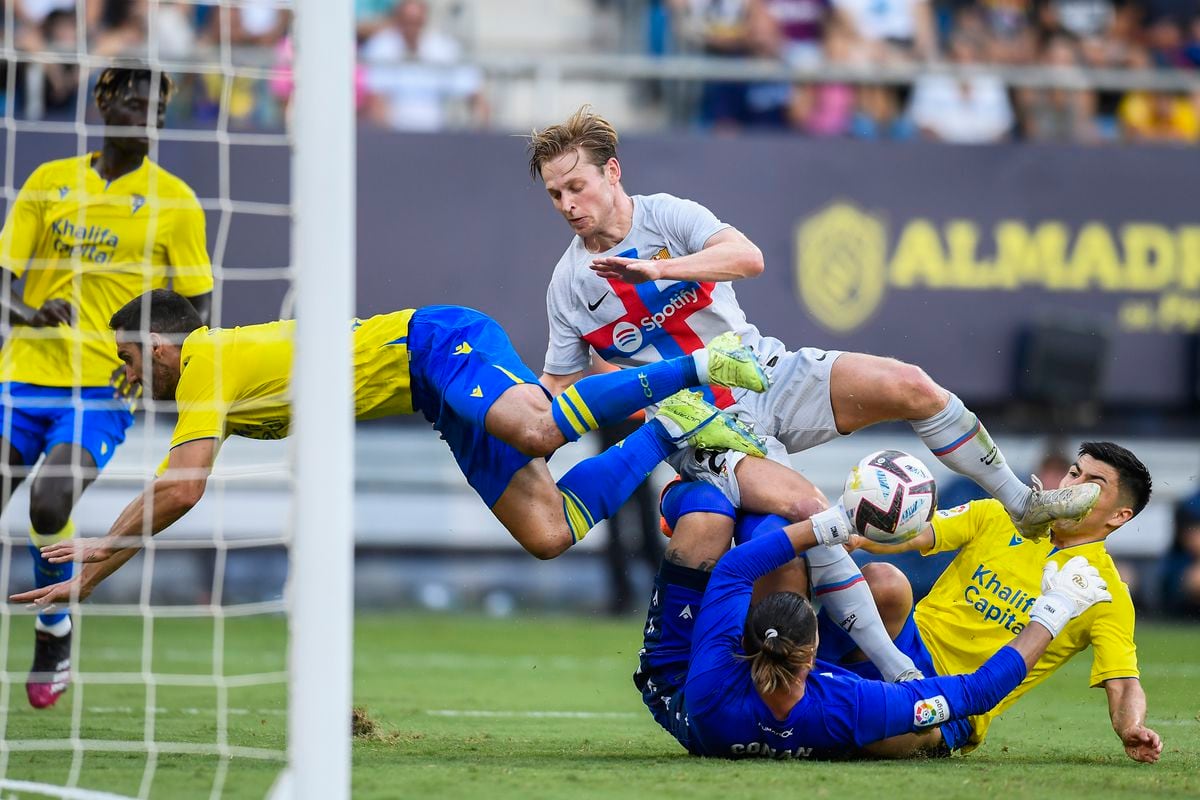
column 672, row 338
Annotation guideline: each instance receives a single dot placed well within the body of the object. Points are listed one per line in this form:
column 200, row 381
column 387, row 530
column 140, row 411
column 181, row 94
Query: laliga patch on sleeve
column 947, row 513
column 930, row 711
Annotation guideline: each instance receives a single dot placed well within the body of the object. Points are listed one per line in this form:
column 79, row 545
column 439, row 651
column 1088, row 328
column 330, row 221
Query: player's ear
column 157, row 340
column 1120, row 515
column 612, row 170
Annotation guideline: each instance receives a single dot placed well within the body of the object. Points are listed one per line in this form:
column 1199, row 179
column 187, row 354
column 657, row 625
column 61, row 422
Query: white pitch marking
column 130, row 710
column 63, row 792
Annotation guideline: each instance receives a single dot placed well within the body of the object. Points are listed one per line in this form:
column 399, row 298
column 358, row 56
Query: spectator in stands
column 258, row 23
column 970, row 109
column 890, row 31
column 371, row 16
column 414, row 76
column 61, row 81
column 30, row 16
column 1157, row 116
column 1181, row 565
column 721, row 29
column 1057, row 114
column 1192, row 48
column 792, row 32
column 1006, row 27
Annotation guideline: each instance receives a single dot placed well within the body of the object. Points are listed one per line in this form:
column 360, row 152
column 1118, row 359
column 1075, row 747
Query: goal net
column 217, row 661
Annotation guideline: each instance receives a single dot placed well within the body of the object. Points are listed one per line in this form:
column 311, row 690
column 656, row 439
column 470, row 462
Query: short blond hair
column 585, row 130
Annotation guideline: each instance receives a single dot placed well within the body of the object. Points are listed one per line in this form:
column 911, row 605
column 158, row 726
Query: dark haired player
column 452, row 364
column 731, row 680
column 87, row 234
column 986, row 593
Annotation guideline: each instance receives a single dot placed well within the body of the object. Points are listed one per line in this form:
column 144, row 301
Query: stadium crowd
column 408, row 81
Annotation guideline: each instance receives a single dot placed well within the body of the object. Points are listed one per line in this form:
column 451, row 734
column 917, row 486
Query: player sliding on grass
column 986, row 592
column 454, row 365
column 734, row 681
column 648, row 277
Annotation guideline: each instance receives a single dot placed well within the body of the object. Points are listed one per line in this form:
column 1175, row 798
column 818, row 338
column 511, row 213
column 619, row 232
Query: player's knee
column 551, row 545
column 539, row 438
column 48, row 517
column 889, row 587
column 804, row 506
column 916, row 394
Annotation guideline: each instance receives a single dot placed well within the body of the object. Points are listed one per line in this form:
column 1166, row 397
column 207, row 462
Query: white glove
column 832, row 526
column 1067, row 593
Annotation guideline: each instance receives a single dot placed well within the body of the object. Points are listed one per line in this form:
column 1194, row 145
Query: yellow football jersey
column 96, row 244
column 236, row 381
column 983, row 599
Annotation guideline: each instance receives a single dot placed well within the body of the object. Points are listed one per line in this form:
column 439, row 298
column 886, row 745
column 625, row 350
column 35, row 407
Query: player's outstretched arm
column 1127, row 709
column 169, row 497
column 727, row 256
column 921, row 542
column 895, row 709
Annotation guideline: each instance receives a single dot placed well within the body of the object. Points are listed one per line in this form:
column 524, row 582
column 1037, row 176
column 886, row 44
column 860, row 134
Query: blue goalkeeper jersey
column 839, row 711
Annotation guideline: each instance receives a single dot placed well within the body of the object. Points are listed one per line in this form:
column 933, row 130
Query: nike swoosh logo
column 822, row 357
column 595, row 305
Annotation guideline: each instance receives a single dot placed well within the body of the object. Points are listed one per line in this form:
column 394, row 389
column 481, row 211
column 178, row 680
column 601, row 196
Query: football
column 890, row 495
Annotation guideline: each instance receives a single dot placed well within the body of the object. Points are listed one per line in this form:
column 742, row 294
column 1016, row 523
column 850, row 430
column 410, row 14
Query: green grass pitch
column 544, row 708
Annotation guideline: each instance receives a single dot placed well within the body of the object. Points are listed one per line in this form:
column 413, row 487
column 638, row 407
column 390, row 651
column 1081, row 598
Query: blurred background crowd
column 963, row 71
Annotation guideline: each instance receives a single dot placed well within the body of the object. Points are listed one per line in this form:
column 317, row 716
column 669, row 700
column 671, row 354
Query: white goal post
column 321, row 576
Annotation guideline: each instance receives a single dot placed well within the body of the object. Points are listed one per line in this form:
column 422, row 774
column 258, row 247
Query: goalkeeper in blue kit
column 732, row 681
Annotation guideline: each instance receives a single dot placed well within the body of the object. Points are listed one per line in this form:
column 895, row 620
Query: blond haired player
column 87, row 234
column 986, row 593
column 649, row 277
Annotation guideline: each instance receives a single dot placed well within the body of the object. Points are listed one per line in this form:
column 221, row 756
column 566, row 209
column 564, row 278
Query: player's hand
column 629, row 270
column 860, row 542
column 52, row 313
column 1067, row 592
column 90, row 551
column 1142, row 744
column 48, row 596
column 123, row 389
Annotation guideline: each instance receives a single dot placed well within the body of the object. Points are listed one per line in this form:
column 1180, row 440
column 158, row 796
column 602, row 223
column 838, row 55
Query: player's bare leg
column 12, row 471
column 521, row 417
column 531, row 508
column 866, row 389
column 699, row 540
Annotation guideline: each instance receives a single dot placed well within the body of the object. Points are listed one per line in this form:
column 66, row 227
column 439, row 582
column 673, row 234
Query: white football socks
column 840, row 586
column 959, row 440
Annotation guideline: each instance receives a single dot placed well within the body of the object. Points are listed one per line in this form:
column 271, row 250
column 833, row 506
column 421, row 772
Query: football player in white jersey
column 647, row 277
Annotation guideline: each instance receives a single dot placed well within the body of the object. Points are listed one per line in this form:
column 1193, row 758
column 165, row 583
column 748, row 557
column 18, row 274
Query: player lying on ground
column 86, row 234
column 988, row 590
column 454, row 365
column 733, row 681
column 648, row 277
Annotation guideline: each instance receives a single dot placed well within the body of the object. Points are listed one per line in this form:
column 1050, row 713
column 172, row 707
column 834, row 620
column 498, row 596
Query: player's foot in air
column 51, row 672
column 732, row 364
column 1047, row 505
column 706, row 427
